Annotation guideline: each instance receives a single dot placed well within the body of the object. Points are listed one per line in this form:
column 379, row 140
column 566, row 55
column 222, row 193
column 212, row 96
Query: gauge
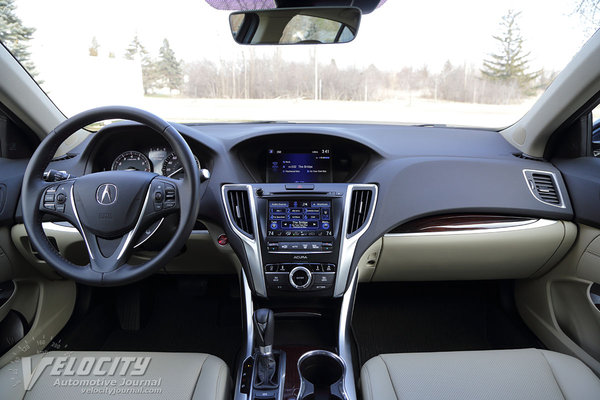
column 131, row 161
column 157, row 155
column 172, row 166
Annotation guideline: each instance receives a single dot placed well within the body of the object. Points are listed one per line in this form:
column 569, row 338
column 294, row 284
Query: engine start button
column 300, row 277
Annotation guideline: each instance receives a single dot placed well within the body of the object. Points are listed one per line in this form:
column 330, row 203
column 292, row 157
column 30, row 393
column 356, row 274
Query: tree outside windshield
column 464, row 63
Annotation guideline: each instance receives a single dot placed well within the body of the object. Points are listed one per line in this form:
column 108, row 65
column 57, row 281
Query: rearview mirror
column 312, row 25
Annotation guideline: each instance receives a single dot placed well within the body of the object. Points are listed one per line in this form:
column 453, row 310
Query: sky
column 399, row 34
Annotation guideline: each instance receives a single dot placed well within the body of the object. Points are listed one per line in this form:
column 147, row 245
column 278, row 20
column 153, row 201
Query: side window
column 596, row 131
column 14, row 143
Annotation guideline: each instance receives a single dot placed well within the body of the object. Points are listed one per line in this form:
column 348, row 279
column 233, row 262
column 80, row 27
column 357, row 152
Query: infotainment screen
column 299, row 166
column 299, row 217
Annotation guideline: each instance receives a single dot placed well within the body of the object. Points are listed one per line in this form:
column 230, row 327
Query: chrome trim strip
column 53, row 226
column 540, row 223
column 345, row 335
column 483, row 225
column 132, row 233
column 248, row 312
column 348, row 244
column 150, row 235
column 247, row 352
column 282, row 369
column 558, row 191
column 251, row 246
column 74, row 208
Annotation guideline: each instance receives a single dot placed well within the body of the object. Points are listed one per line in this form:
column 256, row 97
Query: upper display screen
column 299, row 166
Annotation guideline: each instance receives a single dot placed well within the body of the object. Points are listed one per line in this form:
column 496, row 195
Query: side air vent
column 239, row 206
column 360, row 206
column 544, row 187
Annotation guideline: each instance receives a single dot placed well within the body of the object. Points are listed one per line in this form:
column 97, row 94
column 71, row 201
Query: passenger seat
column 527, row 374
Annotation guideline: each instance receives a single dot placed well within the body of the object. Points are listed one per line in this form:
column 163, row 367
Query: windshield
column 463, row 63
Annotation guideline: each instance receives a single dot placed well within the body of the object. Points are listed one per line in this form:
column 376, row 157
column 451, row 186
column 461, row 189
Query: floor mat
column 182, row 317
column 439, row 316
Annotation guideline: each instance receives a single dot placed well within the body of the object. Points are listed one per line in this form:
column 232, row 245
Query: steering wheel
column 110, row 209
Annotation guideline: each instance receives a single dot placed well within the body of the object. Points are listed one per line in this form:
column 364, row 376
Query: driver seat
column 116, row 375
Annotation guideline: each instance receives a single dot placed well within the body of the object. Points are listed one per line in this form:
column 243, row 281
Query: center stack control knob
column 300, row 277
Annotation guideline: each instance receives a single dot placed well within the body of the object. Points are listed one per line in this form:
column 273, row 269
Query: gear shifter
column 264, row 326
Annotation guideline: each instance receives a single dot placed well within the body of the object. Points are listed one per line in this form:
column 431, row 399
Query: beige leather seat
column 527, row 374
column 116, row 375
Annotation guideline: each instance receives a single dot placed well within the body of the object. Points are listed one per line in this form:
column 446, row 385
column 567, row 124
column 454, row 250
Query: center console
column 299, row 238
column 299, row 232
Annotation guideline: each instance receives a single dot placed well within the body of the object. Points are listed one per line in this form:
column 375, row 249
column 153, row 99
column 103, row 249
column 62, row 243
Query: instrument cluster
column 160, row 160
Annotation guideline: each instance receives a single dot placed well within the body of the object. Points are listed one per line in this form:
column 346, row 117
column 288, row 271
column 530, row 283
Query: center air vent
column 239, row 207
column 544, row 187
column 360, row 207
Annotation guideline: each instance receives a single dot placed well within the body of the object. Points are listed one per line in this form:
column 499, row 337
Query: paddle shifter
column 264, row 327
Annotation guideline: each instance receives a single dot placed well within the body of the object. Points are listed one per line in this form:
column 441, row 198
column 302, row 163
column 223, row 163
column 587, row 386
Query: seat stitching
column 198, row 377
column 218, row 383
column 390, row 376
column 553, row 375
column 368, row 383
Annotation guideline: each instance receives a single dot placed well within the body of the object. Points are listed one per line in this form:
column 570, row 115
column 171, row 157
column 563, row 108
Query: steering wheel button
column 61, row 198
column 158, row 206
column 50, row 206
column 60, row 207
column 158, row 196
column 49, row 198
column 169, row 204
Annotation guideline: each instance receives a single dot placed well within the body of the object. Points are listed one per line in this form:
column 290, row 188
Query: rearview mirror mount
column 307, row 25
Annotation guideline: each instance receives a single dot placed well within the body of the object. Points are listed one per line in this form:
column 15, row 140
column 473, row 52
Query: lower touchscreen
column 299, row 217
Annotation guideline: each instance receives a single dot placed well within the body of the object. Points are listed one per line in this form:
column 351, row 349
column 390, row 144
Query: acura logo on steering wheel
column 106, row 194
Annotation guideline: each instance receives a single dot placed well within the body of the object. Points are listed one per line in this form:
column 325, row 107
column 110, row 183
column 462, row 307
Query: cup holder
column 321, row 376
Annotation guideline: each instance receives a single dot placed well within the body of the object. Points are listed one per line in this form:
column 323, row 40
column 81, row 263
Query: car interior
column 284, row 260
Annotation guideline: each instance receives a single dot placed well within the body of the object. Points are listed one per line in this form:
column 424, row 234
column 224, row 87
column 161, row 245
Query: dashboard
column 317, row 196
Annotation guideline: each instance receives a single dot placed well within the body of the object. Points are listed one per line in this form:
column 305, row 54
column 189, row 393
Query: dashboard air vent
column 239, row 206
column 544, row 187
column 360, row 206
